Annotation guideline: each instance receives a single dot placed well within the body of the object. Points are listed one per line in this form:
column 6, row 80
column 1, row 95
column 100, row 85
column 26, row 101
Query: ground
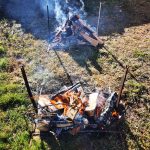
column 125, row 28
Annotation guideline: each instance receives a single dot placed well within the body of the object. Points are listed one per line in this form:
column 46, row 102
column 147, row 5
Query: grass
column 4, row 76
column 136, row 88
column 3, row 63
column 136, row 127
column 11, row 100
column 15, row 131
column 2, row 50
column 141, row 55
column 10, row 88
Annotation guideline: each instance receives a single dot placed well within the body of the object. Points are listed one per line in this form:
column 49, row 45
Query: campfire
column 76, row 31
column 72, row 110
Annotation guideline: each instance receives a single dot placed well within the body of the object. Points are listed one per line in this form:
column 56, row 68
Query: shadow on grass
column 94, row 141
column 86, row 56
column 117, row 15
column 132, row 136
column 88, row 141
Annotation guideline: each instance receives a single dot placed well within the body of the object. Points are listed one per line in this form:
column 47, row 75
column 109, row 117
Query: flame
column 115, row 114
column 68, row 99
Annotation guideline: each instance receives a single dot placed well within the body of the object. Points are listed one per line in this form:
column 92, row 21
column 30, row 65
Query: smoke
column 62, row 9
column 82, row 8
column 43, row 6
column 59, row 13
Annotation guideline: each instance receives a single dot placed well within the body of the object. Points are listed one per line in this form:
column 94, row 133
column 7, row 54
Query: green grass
column 10, row 88
column 141, row 55
column 3, row 63
column 134, row 88
column 15, row 132
column 15, row 129
column 21, row 141
column 2, row 50
column 11, row 95
column 10, row 100
column 4, row 77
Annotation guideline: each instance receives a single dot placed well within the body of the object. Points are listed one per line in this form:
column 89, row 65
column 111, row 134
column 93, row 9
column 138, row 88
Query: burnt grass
column 125, row 28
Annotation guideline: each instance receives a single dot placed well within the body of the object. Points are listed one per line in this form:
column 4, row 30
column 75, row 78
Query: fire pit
column 72, row 110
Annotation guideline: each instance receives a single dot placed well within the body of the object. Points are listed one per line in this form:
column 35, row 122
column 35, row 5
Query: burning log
column 78, row 112
column 76, row 27
column 92, row 41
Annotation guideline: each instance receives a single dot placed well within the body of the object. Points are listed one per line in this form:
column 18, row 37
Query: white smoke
column 58, row 8
column 59, row 14
column 82, row 8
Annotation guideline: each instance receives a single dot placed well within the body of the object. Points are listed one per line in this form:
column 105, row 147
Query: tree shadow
column 86, row 56
column 133, row 137
column 29, row 15
column 115, row 16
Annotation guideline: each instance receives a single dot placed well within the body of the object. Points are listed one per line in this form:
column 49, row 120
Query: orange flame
column 115, row 114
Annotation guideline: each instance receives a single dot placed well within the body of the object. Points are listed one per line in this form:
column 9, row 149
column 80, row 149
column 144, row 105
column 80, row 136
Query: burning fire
column 68, row 99
column 115, row 114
